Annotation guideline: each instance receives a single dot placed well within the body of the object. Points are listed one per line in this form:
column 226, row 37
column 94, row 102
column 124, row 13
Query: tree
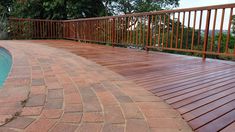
column 70, row 9
column 85, row 8
column 135, row 6
column 233, row 24
column 27, row 9
column 57, row 9
column 5, row 6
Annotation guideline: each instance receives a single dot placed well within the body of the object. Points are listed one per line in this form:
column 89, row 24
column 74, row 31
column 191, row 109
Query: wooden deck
column 203, row 92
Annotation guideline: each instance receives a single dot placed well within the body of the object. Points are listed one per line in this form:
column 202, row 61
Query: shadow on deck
column 203, row 92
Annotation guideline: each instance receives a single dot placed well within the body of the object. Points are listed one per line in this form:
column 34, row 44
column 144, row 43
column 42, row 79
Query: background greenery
column 70, row 9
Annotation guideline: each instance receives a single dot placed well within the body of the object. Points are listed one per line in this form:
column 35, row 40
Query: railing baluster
column 80, row 30
column 187, row 35
column 206, row 33
column 213, row 32
column 76, row 30
column 151, row 32
column 182, row 32
column 100, row 30
column 199, row 29
column 117, row 31
column 127, row 31
column 51, row 29
column 159, row 29
column 163, row 31
column 110, row 31
column 172, row 29
column 37, row 30
column 167, row 35
column 177, row 32
column 34, row 28
column 155, row 30
column 29, row 33
column 84, row 31
column 40, row 28
column 58, row 30
column 194, row 23
column 144, row 31
column 131, row 19
column 55, row 29
column 141, row 31
column 122, row 27
column 148, row 32
column 229, row 28
column 98, row 35
column 113, row 32
column 137, row 32
column 221, row 31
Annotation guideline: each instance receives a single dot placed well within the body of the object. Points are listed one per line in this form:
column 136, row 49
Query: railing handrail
column 30, row 19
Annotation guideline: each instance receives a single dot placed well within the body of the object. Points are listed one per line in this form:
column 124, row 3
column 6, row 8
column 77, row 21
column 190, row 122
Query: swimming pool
column 5, row 65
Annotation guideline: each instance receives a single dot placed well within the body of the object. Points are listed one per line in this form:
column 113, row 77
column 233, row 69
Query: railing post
column 62, row 29
column 18, row 32
column 206, row 34
column 148, row 33
column 76, row 29
column 113, row 32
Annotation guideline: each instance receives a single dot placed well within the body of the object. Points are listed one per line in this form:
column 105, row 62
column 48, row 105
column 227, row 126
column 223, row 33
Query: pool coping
column 8, row 52
column 12, row 102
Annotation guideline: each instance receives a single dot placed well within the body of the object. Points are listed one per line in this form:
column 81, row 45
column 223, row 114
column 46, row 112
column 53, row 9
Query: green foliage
column 233, row 24
column 231, row 42
column 5, row 6
column 27, row 9
column 57, row 9
column 153, row 5
column 4, row 13
column 70, row 9
column 134, row 6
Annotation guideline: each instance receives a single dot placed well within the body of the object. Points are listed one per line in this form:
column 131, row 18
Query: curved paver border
column 71, row 93
column 16, row 88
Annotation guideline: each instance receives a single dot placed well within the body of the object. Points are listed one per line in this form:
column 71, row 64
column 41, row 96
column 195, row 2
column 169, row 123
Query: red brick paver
column 50, row 89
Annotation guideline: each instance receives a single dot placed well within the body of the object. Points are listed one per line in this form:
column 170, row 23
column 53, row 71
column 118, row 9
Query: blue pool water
column 5, row 65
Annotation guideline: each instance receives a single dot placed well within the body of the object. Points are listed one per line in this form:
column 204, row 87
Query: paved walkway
column 51, row 89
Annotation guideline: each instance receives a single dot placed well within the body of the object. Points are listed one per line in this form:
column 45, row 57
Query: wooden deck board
column 203, row 92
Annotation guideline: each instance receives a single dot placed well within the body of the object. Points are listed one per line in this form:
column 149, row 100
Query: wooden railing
column 203, row 30
column 35, row 28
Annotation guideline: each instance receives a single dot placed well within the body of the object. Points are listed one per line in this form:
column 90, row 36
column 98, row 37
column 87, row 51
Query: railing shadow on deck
column 202, row 30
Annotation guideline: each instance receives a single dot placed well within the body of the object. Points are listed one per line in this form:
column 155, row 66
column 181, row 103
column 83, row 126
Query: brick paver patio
column 50, row 89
